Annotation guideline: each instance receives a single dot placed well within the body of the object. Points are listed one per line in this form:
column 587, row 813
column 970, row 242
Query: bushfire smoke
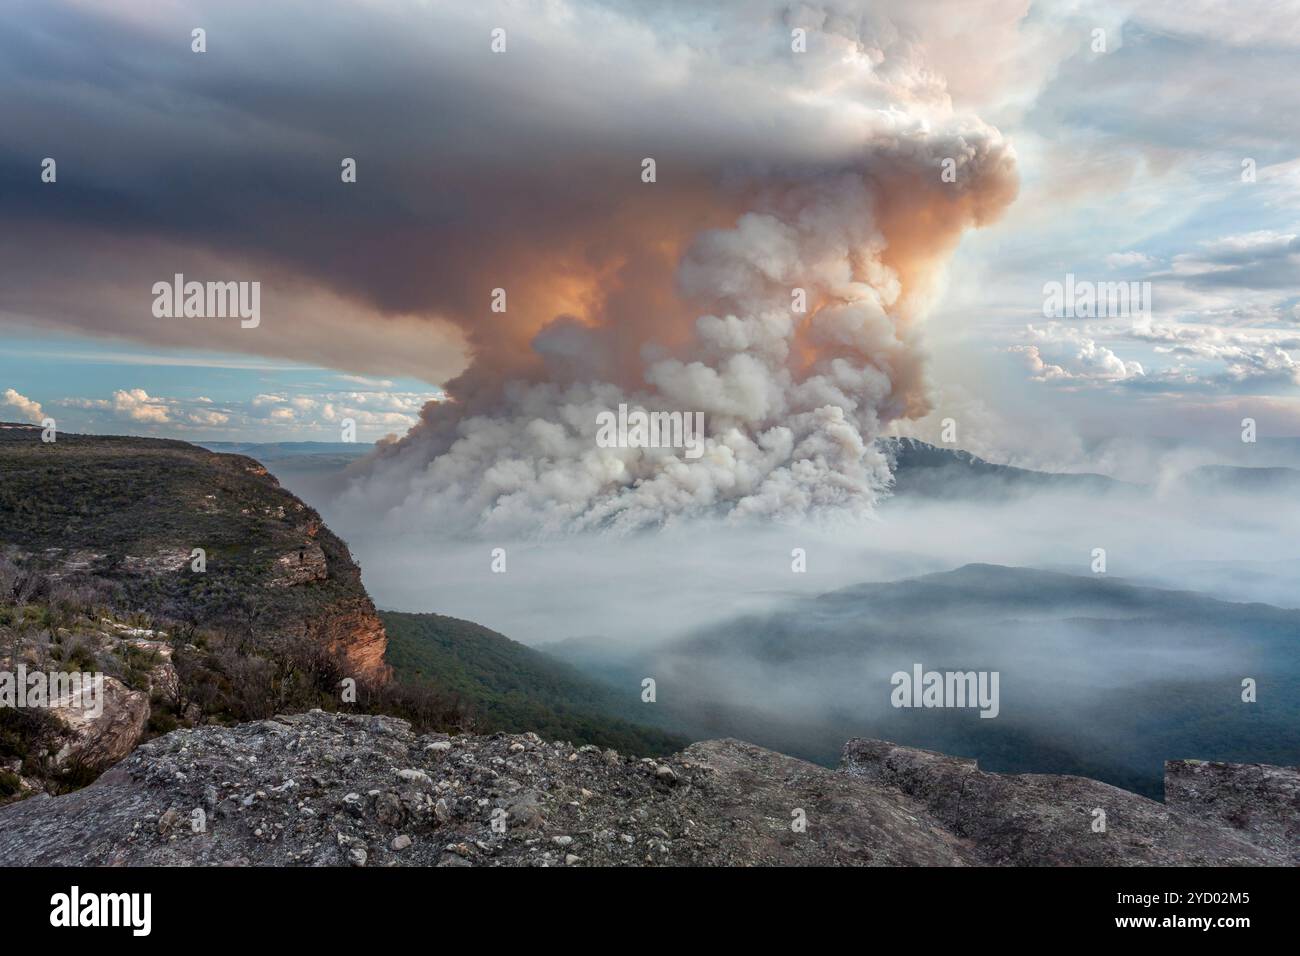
column 791, row 321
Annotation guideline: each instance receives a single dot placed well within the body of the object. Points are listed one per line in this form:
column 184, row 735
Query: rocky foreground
column 330, row 790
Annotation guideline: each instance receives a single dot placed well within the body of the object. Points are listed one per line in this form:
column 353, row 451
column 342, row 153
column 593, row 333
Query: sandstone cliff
column 184, row 535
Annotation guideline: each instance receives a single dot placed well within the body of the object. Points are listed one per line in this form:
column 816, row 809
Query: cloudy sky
column 1146, row 142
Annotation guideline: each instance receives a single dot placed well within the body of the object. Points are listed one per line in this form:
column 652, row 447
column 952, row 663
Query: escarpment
column 184, row 535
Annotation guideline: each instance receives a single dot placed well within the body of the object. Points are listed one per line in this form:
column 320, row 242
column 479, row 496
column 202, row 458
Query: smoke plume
column 685, row 298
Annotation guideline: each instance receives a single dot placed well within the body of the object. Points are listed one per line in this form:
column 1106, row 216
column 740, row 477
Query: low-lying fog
column 1095, row 677
column 659, row 585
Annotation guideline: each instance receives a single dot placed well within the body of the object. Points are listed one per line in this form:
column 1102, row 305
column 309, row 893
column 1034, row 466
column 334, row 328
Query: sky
column 1148, row 142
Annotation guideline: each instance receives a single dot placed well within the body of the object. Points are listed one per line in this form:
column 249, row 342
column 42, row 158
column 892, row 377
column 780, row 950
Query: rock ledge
column 324, row 789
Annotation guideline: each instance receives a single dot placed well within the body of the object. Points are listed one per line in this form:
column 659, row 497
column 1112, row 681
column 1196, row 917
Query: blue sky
column 118, row 387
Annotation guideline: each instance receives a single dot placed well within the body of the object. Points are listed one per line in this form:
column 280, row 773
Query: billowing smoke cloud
column 792, row 398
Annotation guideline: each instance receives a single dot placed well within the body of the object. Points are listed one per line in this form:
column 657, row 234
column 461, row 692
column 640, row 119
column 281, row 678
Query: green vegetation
column 123, row 514
column 9, row 784
column 514, row 688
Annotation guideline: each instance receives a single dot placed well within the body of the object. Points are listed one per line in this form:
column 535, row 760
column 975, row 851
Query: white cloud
column 127, row 404
column 1199, row 357
column 1064, row 353
column 29, row 409
column 136, row 405
column 1123, row 260
column 1246, row 355
column 265, row 416
column 204, row 417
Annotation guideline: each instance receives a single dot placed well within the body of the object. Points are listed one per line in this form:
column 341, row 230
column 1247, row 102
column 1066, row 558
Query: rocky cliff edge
column 324, row 789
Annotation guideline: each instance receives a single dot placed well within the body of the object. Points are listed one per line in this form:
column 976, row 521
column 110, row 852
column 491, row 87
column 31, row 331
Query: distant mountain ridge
column 1084, row 662
column 923, row 470
column 288, row 449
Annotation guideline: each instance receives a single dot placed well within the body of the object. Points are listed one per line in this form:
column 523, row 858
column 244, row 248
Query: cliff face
column 333, row 789
column 353, row 629
column 348, row 623
column 186, row 536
